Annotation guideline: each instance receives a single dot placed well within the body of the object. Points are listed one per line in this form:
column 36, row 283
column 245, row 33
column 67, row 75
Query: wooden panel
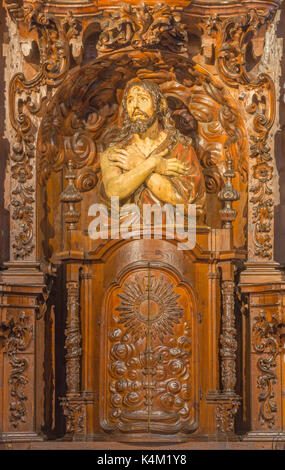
column 149, row 374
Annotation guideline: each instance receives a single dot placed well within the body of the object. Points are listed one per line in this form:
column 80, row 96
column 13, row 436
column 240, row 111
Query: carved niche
column 149, row 369
column 90, row 101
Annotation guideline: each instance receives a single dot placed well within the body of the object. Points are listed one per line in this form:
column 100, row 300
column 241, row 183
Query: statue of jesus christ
column 148, row 160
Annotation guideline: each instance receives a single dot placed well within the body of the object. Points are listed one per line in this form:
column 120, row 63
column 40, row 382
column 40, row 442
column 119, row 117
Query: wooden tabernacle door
column 149, row 366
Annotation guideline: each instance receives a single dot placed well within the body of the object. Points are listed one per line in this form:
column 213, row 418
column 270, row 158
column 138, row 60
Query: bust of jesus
column 148, row 160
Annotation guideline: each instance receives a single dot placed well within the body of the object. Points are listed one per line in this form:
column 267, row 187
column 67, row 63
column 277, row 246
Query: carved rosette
column 225, row 415
column 17, row 335
column 228, row 339
column 265, row 344
column 73, row 339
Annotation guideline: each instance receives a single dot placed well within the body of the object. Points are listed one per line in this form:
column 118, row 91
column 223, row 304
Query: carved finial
column 228, row 194
column 70, row 196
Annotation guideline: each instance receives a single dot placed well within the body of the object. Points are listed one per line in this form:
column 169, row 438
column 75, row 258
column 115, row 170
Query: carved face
column 139, row 104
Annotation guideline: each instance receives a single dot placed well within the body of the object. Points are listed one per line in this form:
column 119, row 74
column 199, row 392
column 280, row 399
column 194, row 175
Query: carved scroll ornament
column 232, row 38
column 142, row 26
column 265, row 343
column 16, row 337
column 225, row 414
column 50, row 56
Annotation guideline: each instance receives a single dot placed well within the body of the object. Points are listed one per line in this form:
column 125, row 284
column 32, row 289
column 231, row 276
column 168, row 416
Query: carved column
column 228, row 339
column 73, row 338
column 227, row 401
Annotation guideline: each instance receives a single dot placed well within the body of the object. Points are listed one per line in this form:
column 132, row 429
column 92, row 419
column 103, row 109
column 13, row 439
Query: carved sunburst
column 149, row 306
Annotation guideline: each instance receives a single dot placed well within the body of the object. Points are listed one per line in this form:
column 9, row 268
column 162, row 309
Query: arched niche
column 88, row 102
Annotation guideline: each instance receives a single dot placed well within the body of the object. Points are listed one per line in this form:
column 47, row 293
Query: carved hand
column 125, row 159
column 128, row 160
column 169, row 167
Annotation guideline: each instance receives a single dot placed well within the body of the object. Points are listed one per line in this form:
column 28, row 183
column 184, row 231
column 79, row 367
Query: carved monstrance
column 135, row 339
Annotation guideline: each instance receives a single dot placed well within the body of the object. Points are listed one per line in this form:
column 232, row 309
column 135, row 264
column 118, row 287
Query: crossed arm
column 153, row 171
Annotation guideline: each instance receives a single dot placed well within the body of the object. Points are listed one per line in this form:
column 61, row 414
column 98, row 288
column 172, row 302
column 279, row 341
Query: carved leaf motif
column 265, row 343
column 18, row 337
column 142, row 26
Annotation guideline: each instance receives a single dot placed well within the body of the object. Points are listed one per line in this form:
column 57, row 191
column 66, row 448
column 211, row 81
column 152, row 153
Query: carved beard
column 140, row 126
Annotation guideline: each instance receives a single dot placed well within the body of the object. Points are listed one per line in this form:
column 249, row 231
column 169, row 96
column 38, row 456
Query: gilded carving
column 192, row 98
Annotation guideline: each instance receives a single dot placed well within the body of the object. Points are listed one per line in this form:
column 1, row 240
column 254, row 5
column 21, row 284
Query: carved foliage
column 18, row 333
column 142, row 26
column 96, row 91
column 225, row 414
column 75, row 414
column 157, row 291
column 265, row 343
column 232, row 37
column 26, row 99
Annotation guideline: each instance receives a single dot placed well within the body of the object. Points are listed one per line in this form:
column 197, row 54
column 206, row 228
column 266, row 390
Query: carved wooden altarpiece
column 134, row 339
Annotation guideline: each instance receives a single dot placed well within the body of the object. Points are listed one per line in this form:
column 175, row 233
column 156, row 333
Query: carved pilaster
column 265, row 343
column 75, row 410
column 225, row 410
column 18, row 333
column 256, row 94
